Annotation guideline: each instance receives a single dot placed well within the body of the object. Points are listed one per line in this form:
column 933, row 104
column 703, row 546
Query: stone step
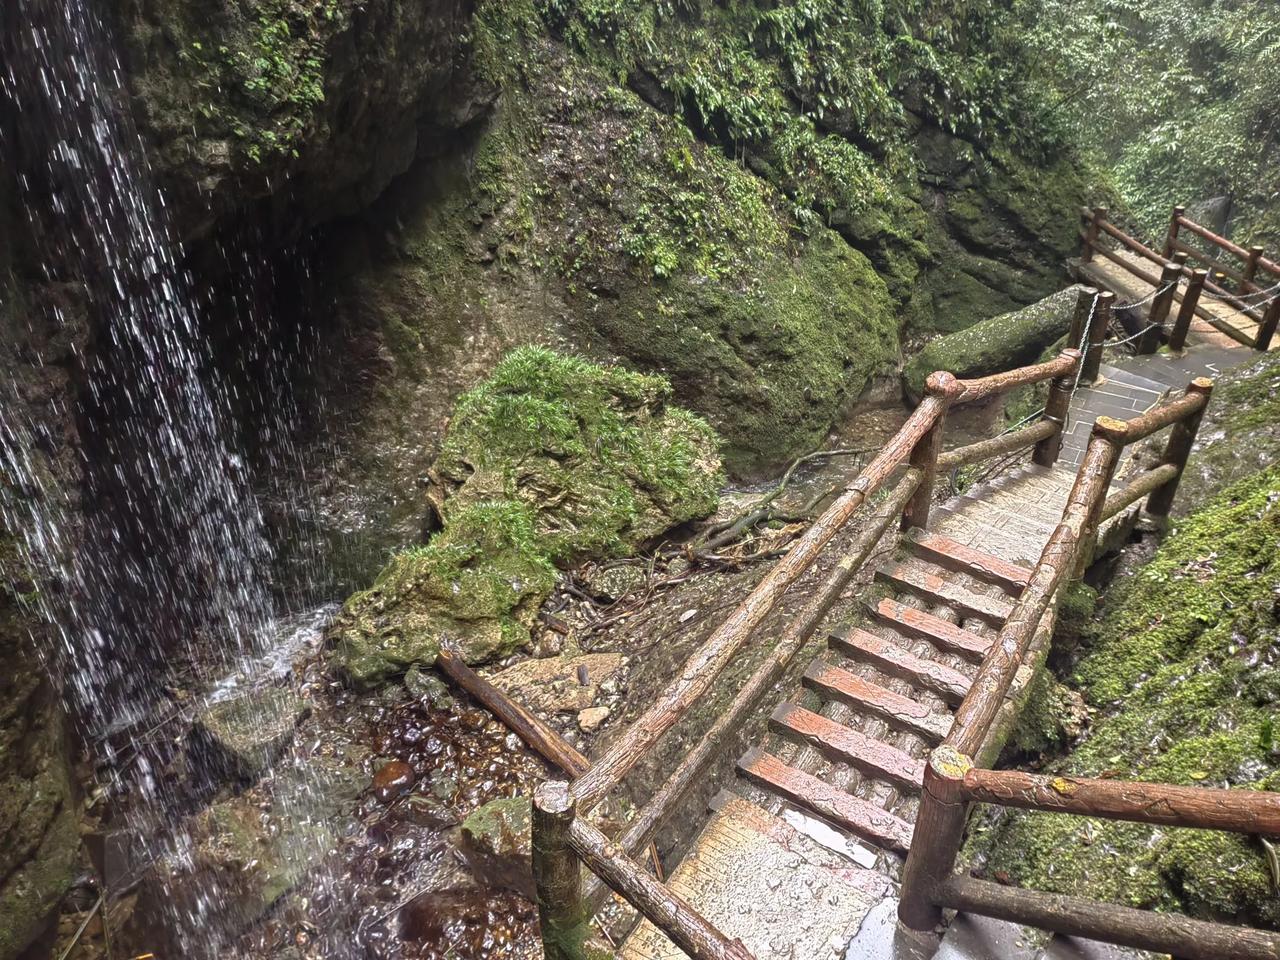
column 837, row 742
column 795, row 891
column 933, row 585
column 945, row 552
column 941, row 633
column 833, row 683
column 889, row 658
column 851, row 813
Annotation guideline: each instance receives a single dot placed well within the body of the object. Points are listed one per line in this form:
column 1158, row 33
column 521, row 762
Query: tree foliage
column 1178, row 97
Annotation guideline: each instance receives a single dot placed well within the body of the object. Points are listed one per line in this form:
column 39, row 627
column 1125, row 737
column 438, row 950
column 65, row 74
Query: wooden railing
column 956, row 773
column 1172, row 265
column 564, row 838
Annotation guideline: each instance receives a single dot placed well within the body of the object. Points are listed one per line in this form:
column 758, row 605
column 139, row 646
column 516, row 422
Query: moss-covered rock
column 328, row 97
column 599, row 455
column 497, row 842
column 999, row 343
column 551, row 460
column 1239, row 435
column 1180, row 675
column 477, row 584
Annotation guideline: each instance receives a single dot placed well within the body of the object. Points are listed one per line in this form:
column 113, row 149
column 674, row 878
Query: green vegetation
column 260, row 76
column 1180, row 672
column 1178, row 98
column 552, row 460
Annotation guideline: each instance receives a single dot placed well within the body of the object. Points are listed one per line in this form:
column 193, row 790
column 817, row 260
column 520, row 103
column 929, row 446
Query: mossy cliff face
column 1180, row 675
column 319, row 103
column 581, row 215
column 551, row 460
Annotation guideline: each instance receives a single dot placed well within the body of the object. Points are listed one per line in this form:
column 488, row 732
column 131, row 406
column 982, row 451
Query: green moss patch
column 551, row 460
column 1181, row 673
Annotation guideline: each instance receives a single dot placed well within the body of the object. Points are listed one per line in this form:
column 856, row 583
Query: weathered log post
column 1149, row 342
column 1093, row 489
column 1097, row 333
column 557, row 874
column 935, row 844
column 1178, row 448
column 1250, row 268
column 1171, row 238
column 1190, row 301
column 1096, row 217
column 1084, row 307
column 924, row 455
column 1267, row 329
column 1055, row 411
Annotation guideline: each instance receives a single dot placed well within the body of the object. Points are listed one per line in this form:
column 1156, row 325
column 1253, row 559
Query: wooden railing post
column 1055, row 411
column 935, row 844
column 1149, row 342
column 1097, row 334
column 1084, row 306
column 1110, row 431
column 557, row 874
column 1171, row 238
column 1250, row 268
column 1190, row 300
column 1091, row 233
column 1181, row 439
column 924, row 455
column 1267, row 329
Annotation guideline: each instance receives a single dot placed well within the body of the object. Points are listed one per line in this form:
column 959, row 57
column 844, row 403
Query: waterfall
column 168, row 543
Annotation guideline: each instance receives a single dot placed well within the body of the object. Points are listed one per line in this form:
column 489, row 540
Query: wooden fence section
column 563, row 836
column 953, row 780
column 1255, row 278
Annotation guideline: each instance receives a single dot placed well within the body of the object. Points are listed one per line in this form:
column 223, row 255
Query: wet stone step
column 865, row 819
column 941, row 633
column 932, row 585
column 953, row 555
column 844, row 745
column 832, row 683
column 889, row 658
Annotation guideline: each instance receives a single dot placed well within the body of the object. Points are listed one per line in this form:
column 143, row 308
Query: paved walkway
column 802, row 857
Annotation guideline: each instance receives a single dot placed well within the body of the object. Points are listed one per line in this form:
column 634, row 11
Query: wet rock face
column 325, row 101
column 552, row 460
column 497, row 843
column 244, row 736
column 39, row 816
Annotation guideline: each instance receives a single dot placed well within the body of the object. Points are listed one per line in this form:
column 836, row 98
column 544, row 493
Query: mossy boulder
column 598, row 454
column 477, row 585
column 1180, row 678
column 552, row 460
column 496, row 839
column 999, row 343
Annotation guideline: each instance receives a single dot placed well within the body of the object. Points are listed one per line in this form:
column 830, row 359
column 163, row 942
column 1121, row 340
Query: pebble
column 589, row 720
column 393, row 780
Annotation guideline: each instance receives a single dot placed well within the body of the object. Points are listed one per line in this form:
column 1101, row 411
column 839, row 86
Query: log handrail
column 1204, row 233
column 1174, row 249
column 1237, row 811
column 1080, row 917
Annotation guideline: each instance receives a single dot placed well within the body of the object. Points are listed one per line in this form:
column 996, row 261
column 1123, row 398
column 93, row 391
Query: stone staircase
column 801, row 856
